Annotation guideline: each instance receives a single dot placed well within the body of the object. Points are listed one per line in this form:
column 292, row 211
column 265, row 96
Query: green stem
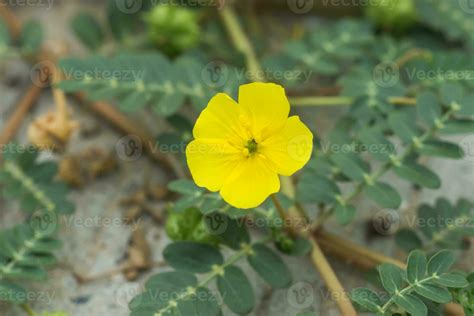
column 241, row 42
column 28, row 310
column 342, row 101
column 386, row 167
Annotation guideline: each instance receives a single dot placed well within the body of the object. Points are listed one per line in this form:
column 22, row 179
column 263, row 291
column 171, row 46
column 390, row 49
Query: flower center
column 252, row 146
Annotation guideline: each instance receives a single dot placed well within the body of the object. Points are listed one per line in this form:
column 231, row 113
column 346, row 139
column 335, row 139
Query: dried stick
column 11, row 20
column 21, row 109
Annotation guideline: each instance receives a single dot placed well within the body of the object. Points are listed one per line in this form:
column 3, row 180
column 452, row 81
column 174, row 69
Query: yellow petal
column 219, row 120
column 290, row 149
column 210, row 161
column 250, row 184
column 266, row 106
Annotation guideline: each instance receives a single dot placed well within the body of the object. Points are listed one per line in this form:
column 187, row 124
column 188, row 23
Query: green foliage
column 423, row 281
column 88, row 30
column 189, row 225
column 180, row 292
column 136, row 80
column 442, row 225
column 33, row 183
column 465, row 296
column 342, row 158
column 325, row 52
column 29, row 43
column 26, row 251
column 452, row 18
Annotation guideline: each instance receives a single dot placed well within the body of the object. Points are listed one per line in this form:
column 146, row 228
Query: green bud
column 188, row 225
column 396, row 15
column 172, row 28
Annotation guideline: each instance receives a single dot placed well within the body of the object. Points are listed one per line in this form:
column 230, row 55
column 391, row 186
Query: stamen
column 252, row 146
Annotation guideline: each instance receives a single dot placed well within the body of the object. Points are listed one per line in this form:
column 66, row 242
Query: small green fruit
column 172, row 28
column 189, row 225
column 396, row 15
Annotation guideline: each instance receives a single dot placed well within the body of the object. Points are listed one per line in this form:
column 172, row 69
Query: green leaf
column 4, row 35
column 428, row 107
column 351, row 165
column 192, row 257
column 236, row 290
column 440, row 262
column 411, row 304
column 434, row 293
column 344, row 214
column 367, row 299
column 88, row 30
column 202, row 303
column 467, row 105
column 269, row 266
column 454, row 280
column 416, row 266
column 384, row 194
column 186, row 187
column 408, row 240
column 459, row 126
column 418, row 174
column 31, row 37
column 441, row 149
column 313, row 188
column 391, row 277
column 172, row 282
column 231, row 232
column 403, row 125
column 377, row 145
column 451, row 92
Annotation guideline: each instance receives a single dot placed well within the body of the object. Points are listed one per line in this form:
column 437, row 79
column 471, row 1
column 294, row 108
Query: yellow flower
column 240, row 149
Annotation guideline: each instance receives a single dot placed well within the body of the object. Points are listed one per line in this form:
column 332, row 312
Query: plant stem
column 21, row 109
column 342, row 101
column 241, row 42
column 28, row 310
